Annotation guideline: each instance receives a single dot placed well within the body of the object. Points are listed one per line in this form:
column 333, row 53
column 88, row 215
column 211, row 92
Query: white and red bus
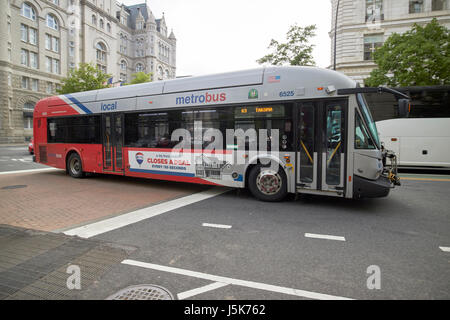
column 316, row 123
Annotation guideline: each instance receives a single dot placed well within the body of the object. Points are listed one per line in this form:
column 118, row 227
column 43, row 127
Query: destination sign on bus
column 258, row 111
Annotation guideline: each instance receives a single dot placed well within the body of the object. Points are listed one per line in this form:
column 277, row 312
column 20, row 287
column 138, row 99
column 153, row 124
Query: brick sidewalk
column 34, row 264
column 52, row 200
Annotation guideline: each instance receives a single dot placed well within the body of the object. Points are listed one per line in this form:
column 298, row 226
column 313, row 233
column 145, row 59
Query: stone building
column 41, row 40
column 363, row 25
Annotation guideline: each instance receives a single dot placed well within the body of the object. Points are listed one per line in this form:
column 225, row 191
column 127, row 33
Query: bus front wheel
column 266, row 184
column 74, row 166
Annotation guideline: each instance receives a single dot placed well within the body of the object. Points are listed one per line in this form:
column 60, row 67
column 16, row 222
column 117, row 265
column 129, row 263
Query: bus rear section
column 60, row 132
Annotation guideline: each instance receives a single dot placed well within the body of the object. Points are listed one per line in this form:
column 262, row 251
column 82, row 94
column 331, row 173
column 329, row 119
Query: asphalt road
column 232, row 246
column 401, row 235
column 14, row 158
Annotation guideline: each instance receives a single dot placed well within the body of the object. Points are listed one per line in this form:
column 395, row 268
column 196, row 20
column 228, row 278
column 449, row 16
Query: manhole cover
column 18, row 186
column 142, row 292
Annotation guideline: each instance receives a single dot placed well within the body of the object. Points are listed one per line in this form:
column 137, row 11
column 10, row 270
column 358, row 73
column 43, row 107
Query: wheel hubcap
column 268, row 182
column 75, row 166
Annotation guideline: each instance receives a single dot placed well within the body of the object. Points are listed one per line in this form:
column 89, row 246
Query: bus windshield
column 368, row 118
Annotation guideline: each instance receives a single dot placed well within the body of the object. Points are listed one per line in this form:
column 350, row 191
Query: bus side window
column 270, row 118
column 362, row 139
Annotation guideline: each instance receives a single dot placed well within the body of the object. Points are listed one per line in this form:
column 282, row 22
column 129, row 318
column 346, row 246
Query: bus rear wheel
column 266, row 184
column 74, row 166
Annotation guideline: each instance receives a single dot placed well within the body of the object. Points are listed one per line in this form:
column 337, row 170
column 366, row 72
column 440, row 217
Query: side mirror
column 404, row 107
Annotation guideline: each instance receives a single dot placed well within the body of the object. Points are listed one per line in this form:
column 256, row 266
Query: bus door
column 321, row 145
column 113, row 142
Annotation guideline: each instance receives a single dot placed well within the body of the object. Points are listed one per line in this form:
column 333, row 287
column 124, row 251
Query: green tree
column 141, row 77
column 418, row 57
column 84, row 78
column 296, row 51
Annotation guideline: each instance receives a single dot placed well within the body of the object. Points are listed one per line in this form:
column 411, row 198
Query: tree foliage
column 418, row 57
column 141, row 77
column 297, row 51
column 84, row 78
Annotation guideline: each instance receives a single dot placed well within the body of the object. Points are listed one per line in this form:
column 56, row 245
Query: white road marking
column 324, row 236
column 445, row 249
column 236, row 282
column 30, row 170
column 212, row 225
column 197, row 291
column 126, row 219
column 16, row 148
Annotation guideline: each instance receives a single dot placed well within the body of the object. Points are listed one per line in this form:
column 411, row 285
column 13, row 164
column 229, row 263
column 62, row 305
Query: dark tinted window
column 430, row 104
column 84, row 129
column 154, row 129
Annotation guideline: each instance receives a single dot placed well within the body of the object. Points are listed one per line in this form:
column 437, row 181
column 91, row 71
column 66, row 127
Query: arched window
column 166, row 74
column 101, row 52
column 28, row 109
column 52, row 22
column 28, row 11
column 139, row 67
column 108, row 27
column 94, row 20
column 101, row 56
column 160, row 72
column 123, row 65
column 102, row 24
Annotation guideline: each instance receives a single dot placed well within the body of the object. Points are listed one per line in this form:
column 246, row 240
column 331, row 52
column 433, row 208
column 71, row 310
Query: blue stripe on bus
column 170, row 173
column 78, row 103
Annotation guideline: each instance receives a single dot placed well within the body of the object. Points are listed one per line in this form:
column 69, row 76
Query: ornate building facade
column 42, row 40
column 364, row 25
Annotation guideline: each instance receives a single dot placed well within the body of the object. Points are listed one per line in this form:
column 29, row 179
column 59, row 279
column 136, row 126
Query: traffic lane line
column 236, row 282
column 324, row 236
column 29, row 170
column 197, row 291
column 96, row 228
column 445, row 249
column 213, row 225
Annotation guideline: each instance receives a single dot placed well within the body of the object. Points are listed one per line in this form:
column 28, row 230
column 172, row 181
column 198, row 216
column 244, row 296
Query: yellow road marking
column 422, row 179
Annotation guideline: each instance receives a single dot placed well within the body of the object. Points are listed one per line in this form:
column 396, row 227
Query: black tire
column 74, row 166
column 273, row 192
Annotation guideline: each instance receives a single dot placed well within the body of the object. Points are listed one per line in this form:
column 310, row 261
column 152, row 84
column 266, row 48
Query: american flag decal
column 273, row 79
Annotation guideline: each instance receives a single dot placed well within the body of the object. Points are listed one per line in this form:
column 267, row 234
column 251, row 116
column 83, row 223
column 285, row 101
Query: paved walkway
column 53, row 201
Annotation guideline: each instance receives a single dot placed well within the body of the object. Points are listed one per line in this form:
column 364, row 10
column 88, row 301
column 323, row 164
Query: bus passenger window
column 306, row 143
column 266, row 117
column 334, row 147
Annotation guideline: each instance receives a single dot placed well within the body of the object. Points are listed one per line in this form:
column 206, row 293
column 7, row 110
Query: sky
column 226, row 35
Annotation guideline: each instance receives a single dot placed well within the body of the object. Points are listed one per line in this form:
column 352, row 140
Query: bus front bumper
column 365, row 188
